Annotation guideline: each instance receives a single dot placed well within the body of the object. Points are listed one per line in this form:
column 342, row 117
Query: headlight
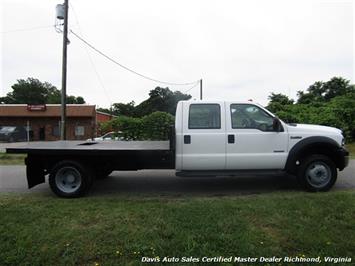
column 343, row 142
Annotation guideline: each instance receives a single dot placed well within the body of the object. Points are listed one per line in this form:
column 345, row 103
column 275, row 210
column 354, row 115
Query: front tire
column 70, row 179
column 317, row 173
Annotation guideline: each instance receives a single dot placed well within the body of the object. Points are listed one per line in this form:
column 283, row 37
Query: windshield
column 7, row 129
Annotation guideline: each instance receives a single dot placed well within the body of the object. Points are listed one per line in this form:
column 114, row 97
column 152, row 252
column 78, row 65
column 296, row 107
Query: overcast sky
column 241, row 49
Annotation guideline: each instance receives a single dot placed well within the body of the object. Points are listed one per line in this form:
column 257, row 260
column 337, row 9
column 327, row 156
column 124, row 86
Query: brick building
column 102, row 117
column 44, row 120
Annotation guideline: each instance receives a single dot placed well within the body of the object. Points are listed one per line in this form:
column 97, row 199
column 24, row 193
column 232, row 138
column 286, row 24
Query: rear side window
column 205, row 116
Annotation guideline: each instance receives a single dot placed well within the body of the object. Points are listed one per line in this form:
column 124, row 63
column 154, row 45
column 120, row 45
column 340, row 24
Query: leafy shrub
column 155, row 126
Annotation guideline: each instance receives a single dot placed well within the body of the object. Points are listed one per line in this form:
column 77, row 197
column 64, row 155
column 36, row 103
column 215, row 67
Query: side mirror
column 276, row 125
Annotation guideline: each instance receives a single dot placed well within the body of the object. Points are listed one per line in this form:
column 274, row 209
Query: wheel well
column 326, row 149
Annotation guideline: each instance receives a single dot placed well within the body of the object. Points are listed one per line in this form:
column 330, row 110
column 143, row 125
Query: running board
column 213, row 173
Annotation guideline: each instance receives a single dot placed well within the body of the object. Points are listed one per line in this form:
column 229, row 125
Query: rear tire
column 70, row 179
column 317, row 173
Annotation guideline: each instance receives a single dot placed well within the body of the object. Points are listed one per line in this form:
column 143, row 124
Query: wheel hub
column 318, row 174
column 68, row 179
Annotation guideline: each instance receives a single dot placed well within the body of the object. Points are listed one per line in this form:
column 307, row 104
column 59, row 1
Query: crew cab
column 210, row 138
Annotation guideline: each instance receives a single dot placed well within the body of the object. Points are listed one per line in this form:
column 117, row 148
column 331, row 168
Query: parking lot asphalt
column 165, row 183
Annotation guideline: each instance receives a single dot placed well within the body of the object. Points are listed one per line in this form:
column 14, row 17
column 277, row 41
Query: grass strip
column 12, row 159
column 119, row 230
column 351, row 148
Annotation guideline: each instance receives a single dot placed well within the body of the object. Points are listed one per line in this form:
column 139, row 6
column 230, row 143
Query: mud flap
column 35, row 173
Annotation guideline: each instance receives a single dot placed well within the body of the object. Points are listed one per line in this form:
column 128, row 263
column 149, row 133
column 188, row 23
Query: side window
column 205, row 116
column 250, row 116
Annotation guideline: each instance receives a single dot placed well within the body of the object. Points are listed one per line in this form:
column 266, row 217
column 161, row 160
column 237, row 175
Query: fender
column 327, row 145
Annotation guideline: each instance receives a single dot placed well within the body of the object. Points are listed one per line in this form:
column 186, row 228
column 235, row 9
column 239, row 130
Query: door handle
column 231, row 138
column 187, row 139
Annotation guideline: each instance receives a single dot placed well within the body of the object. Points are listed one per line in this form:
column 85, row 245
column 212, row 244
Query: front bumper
column 343, row 158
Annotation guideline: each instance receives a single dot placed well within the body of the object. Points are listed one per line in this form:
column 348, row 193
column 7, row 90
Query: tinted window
column 7, row 129
column 204, row 116
column 250, row 116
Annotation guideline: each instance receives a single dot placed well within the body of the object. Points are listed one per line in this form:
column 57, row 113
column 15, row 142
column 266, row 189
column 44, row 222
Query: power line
column 27, row 29
column 91, row 60
column 197, row 82
column 127, row 68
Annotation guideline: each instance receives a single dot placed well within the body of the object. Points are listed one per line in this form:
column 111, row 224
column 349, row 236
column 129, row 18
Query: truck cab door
column 252, row 141
column 203, row 136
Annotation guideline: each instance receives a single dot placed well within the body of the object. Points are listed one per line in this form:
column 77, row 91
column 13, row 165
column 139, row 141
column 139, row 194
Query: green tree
column 126, row 109
column 324, row 91
column 33, row 91
column 30, row 91
column 74, row 100
column 80, row 100
column 53, row 95
column 277, row 102
column 339, row 112
column 330, row 103
column 161, row 99
column 337, row 86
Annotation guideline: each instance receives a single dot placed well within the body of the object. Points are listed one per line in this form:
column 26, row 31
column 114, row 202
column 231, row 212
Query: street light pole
column 63, row 134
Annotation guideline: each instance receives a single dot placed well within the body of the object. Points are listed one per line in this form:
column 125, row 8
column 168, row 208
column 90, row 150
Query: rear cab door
column 203, row 136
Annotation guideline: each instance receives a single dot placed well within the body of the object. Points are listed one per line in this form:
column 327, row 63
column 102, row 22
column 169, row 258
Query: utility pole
column 200, row 89
column 63, row 135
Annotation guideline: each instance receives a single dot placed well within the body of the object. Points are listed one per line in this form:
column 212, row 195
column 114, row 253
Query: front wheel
column 317, row 173
column 70, row 179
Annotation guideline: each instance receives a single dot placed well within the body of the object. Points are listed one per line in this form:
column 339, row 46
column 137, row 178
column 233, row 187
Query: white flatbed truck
column 210, row 138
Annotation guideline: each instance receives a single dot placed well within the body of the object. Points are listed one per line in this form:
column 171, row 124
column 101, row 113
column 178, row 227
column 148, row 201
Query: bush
column 155, row 126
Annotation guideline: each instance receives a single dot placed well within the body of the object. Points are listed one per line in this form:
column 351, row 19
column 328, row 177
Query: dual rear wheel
column 71, row 179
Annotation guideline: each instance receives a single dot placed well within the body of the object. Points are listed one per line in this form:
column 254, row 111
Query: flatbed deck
column 92, row 159
column 89, row 147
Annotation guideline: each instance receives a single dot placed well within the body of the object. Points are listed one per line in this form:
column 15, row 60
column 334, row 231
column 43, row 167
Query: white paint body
column 253, row 149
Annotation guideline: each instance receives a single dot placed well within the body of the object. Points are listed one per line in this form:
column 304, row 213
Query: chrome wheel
column 68, row 179
column 318, row 174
